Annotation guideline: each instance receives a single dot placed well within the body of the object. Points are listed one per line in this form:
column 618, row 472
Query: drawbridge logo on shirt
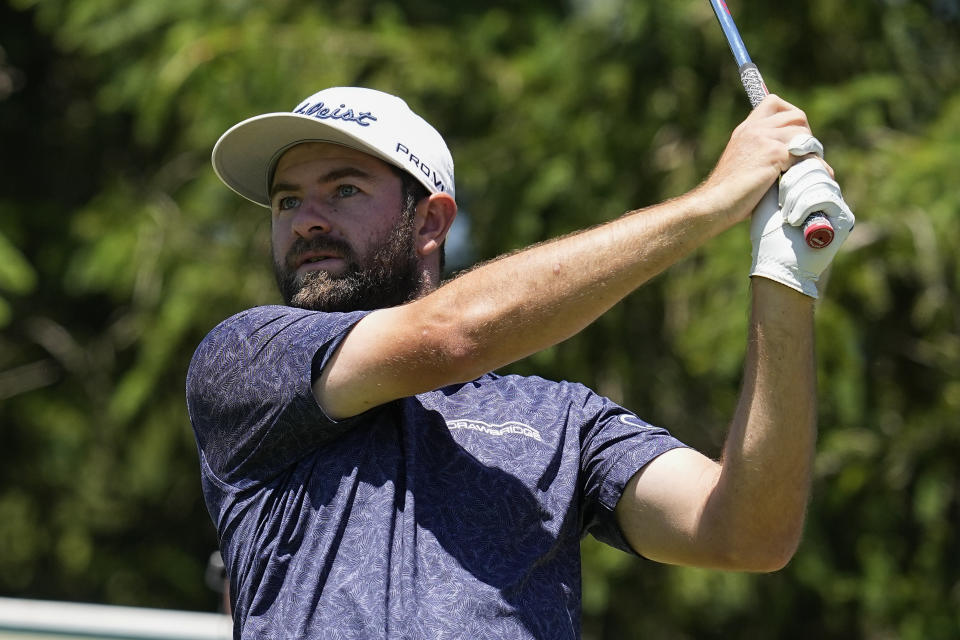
column 497, row 430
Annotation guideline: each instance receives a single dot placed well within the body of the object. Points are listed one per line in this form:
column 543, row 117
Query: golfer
column 368, row 473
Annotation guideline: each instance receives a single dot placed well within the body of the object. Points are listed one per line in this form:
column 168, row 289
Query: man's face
column 340, row 238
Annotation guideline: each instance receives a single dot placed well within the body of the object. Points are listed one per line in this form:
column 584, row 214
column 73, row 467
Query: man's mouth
column 317, row 260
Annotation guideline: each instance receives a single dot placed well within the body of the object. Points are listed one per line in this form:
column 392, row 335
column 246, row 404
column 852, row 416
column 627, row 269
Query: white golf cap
column 364, row 119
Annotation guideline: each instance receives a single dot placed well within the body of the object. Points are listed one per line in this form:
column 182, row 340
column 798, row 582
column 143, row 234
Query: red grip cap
column 818, row 232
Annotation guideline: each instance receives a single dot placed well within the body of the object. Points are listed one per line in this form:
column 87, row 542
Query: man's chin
column 320, row 293
column 349, row 295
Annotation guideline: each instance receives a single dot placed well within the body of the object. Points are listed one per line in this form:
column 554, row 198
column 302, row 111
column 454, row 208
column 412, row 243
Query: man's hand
column 757, row 153
column 779, row 250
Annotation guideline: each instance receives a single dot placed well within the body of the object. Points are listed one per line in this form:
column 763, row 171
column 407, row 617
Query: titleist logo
column 321, row 111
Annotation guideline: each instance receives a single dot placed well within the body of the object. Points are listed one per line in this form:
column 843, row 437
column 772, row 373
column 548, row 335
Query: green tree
column 119, row 250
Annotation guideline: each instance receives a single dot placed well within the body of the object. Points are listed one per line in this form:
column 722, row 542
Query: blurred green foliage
column 119, row 250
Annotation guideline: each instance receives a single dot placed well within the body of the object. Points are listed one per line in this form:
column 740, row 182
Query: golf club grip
column 753, row 83
column 817, row 230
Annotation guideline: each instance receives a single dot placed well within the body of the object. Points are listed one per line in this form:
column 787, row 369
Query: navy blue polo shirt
column 456, row 513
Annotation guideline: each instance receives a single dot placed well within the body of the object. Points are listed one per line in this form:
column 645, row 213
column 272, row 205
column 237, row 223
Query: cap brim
column 244, row 155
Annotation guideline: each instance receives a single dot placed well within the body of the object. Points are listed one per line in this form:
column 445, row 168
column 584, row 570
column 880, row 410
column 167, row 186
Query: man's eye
column 288, row 202
column 347, row 190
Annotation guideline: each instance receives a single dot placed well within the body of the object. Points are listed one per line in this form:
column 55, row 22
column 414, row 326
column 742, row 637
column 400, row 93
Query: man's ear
column 435, row 215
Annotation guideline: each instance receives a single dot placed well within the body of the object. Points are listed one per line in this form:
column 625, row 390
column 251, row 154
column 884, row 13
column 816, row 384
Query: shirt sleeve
column 250, row 394
column 614, row 445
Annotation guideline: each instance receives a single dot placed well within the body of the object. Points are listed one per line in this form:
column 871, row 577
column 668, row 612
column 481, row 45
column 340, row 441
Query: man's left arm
column 746, row 511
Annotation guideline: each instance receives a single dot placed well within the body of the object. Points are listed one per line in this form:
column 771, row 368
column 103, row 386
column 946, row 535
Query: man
column 370, row 478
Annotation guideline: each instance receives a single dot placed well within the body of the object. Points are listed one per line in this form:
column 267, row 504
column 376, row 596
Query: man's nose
column 311, row 219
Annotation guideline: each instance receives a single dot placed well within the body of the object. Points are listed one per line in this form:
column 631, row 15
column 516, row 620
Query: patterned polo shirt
column 457, row 513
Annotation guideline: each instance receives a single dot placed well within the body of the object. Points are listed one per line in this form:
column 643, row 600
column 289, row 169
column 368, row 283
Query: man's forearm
column 525, row 302
column 764, row 483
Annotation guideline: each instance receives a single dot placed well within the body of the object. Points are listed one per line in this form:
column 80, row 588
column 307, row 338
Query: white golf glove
column 779, row 250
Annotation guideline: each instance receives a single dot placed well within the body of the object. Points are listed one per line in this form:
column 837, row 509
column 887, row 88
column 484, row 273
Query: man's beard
column 386, row 277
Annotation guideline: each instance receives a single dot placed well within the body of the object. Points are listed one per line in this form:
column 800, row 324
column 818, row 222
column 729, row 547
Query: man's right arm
column 512, row 307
